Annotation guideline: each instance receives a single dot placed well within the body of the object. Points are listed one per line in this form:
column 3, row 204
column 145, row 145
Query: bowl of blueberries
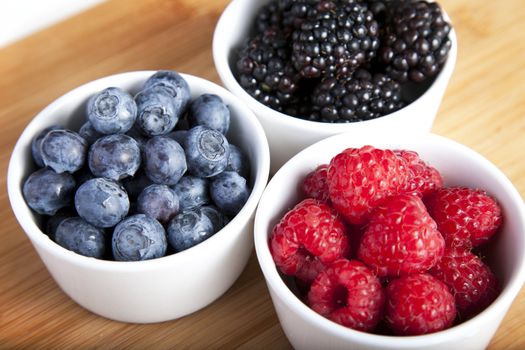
column 312, row 69
column 138, row 191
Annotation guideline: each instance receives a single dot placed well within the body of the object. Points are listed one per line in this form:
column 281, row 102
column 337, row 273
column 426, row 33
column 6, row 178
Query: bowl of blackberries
column 389, row 242
column 138, row 191
column 310, row 69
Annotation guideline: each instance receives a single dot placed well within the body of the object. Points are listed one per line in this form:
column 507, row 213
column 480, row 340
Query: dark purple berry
column 159, row 202
column 176, row 86
column 188, row 229
column 156, row 113
column 415, row 42
column 192, row 191
column 336, row 37
column 137, row 238
column 229, row 192
column 356, row 98
column 207, row 151
column 79, row 236
column 63, row 150
column 101, row 202
column 112, row 111
column 114, row 157
column 46, row 191
column 209, row 110
column 37, row 143
column 164, row 160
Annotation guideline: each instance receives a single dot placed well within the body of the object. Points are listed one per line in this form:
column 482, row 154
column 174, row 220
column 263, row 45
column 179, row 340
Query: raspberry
column 354, row 233
column 307, row 238
column 361, row 179
column 465, row 217
column 423, row 179
column 419, row 304
column 471, row 281
column 315, row 185
column 401, row 238
column 348, row 293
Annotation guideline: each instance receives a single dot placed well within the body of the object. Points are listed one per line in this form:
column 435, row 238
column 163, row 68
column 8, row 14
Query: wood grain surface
column 484, row 108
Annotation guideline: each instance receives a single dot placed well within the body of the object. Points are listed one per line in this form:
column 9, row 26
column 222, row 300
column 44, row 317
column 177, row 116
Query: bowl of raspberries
column 397, row 242
column 311, row 69
column 138, row 191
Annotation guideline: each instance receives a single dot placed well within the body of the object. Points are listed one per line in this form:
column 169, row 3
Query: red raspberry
column 315, row 184
column 354, row 234
column 419, row 304
column 423, row 178
column 348, row 293
column 361, row 179
column 471, row 281
column 465, row 217
column 308, row 237
column 401, row 238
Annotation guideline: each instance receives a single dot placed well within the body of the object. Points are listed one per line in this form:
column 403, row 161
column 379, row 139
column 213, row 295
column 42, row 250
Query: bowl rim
column 221, row 59
column 276, row 284
column 36, row 235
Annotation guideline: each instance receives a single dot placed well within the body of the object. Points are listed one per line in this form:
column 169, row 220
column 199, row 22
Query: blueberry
column 101, row 202
column 238, row 162
column 55, row 220
column 188, row 229
column 216, row 217
column 159, row 202
column 137, row 135
column 210, row 111
column 164, row 160
column 179, row 136
column 63, row 150
column 229, row 192
column 37, row 142
column 192, row 192
column 207, row 151
column 138, row 238
column 114, row 157
column 46, row 191
column 79, row 236
column 156, row 113
column 88, row 132
column 135, row 184
column 112, row 111
column 177, row 87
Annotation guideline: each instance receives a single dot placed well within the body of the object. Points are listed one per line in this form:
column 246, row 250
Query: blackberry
column 300, row 107
column 379, row 9
column 270, row 16
column 301, row 104
column 264, row 69
column 286, row 15
column 415, row 42
column 361, row 96
column 335, row 37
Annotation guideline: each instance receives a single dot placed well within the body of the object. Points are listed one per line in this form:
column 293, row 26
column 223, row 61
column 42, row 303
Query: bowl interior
column 69, row 111
column 459, row 165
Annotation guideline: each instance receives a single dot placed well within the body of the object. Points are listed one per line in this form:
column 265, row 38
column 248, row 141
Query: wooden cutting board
column 484, row 108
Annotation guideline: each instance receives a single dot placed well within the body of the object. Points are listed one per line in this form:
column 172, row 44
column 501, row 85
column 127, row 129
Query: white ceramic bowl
column 154, row 290
column 459, row 165
column 288, row 135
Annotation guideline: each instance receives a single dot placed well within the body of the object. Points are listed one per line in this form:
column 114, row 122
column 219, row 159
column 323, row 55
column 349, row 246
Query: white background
column 19, row 18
